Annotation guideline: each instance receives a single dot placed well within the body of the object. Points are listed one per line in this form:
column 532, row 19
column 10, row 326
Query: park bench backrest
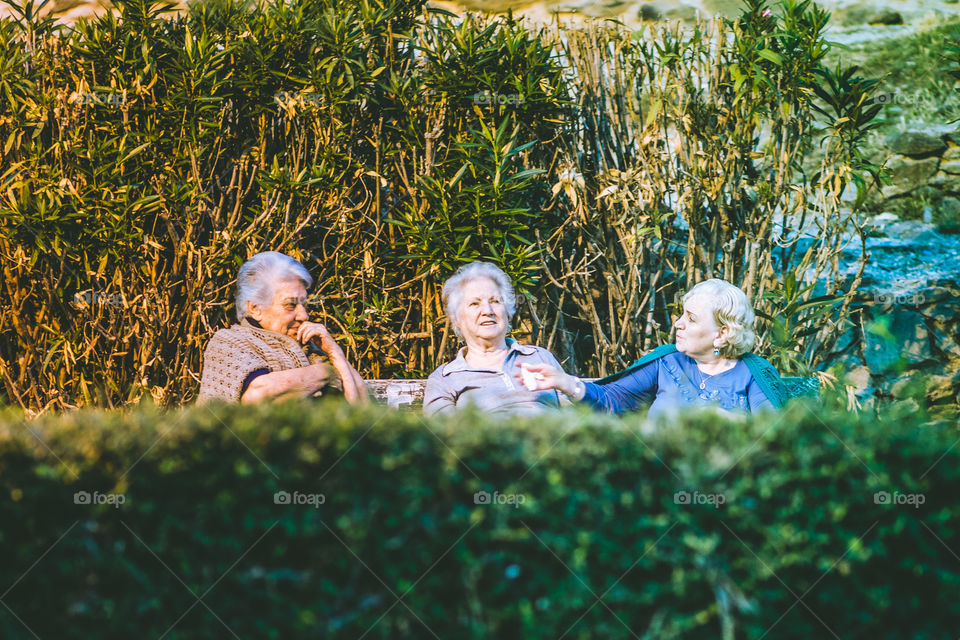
column 409, row 393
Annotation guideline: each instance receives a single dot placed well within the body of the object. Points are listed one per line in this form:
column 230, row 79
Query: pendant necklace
column 703, row 381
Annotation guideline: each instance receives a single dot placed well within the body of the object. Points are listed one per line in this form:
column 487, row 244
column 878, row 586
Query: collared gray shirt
column 455, row 384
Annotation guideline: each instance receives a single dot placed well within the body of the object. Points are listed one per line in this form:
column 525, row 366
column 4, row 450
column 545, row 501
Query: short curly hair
column 258, row 278
column 453, row 288
column 731, row 309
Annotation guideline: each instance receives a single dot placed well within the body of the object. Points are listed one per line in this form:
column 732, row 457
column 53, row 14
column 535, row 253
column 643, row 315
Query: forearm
column 615, row 398
column 354, row 389
column 571, row 386
column 629, row 393
column 298, row 382
column 362, row 392
column 595, row 396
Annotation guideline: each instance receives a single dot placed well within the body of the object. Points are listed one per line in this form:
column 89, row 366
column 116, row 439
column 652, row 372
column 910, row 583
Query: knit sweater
column 233, row 354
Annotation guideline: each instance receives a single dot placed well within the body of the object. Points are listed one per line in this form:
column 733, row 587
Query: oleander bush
column 144, row 155
column 321, row 520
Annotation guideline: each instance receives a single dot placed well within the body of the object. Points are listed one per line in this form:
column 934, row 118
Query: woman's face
column 697, row 332
column 482, row 314
column 287, row 311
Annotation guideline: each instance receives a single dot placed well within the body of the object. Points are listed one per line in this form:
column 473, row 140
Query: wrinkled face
column 482, row 313
column 697, row 332
column 287, row 311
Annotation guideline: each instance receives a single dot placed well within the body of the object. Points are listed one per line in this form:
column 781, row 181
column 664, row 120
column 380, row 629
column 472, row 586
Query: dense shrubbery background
column 598, row 519
column 144, row 157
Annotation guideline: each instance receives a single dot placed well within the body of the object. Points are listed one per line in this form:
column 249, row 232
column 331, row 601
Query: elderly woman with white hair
column 275, row 351
column 488, row 371
column 710, row 364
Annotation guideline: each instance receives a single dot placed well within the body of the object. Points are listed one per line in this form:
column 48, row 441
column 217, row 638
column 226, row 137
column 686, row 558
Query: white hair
column 258, row 278
column 731, row 309
column 453, row 289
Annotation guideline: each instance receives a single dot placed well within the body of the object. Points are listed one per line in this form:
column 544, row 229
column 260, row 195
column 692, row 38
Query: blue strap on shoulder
column 768, row 378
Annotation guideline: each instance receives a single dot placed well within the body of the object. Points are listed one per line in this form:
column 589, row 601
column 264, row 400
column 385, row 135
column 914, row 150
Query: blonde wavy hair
column 731, row 309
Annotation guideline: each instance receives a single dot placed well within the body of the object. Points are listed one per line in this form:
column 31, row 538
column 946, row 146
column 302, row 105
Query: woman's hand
column 549, row 377
column 354, row 390
column 321, row 337
column 298, row 382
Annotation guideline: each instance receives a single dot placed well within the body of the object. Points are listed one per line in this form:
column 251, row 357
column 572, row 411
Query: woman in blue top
column 711, row 363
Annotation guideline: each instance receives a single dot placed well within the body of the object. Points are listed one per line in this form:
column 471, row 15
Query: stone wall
column 924, row 168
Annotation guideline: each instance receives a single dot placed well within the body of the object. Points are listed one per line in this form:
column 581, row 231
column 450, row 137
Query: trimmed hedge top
column 302, row 519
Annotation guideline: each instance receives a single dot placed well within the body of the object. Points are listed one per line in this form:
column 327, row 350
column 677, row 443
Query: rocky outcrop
column 908, row 174
column 667, row 10
column 916, row 144
column 886, row 16
column 905, row 341
column 924, row 171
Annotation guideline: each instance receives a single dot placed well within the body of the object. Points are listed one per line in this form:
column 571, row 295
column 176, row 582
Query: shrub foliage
column 594, row 528
column 145, row 155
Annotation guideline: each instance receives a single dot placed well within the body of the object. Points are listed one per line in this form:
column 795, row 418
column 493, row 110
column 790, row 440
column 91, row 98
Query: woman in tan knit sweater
column 275, row 351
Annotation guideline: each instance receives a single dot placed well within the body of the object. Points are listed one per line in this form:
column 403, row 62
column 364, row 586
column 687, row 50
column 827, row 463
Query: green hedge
column 598, row 518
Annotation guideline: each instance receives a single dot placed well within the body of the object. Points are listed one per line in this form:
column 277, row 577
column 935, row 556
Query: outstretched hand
column 542, row 377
